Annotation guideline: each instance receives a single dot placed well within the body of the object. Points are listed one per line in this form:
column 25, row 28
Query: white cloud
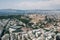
column 52, row 4
column 49, row 4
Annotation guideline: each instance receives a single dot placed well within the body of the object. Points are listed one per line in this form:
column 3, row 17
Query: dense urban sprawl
column 30, row 27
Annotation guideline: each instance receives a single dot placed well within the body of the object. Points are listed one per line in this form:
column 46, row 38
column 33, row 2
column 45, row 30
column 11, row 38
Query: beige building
column 36, row 18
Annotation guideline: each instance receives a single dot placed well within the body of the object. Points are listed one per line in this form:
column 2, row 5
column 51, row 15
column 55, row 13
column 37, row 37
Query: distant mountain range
column 17, row 12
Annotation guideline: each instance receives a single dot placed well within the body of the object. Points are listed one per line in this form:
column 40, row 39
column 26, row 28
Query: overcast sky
column 29, row 4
